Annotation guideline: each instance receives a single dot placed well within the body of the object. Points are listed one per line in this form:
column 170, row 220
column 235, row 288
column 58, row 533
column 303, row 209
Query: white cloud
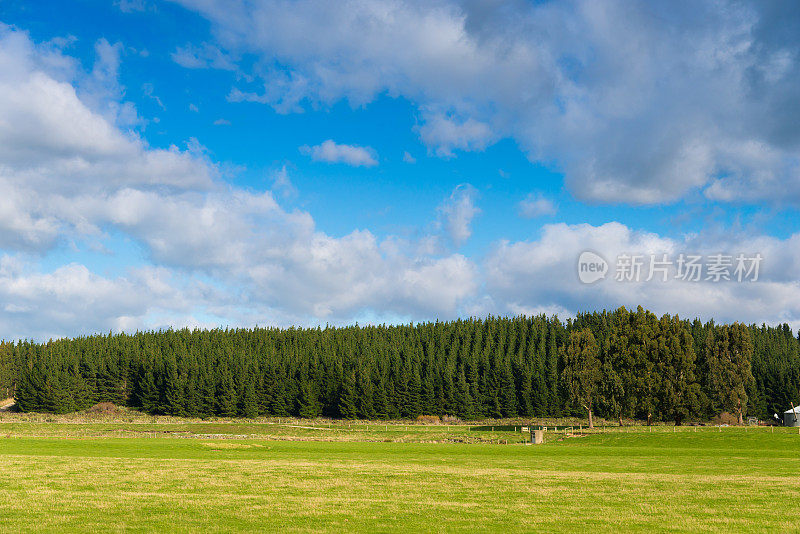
column 71, row 300
column 685, row 97
column 148, row 90
column 282, row 184
column 53, row 147
column 408, row 158
column 201, row 57
column 543, row 274
column 331, row 152
column 222, row 122
column 448, row 134
column 219, row 254
column 69, row 174
column 536, row 205
column 457, row 213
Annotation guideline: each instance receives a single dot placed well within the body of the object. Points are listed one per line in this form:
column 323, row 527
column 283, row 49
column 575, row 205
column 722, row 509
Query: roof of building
column 796, row 410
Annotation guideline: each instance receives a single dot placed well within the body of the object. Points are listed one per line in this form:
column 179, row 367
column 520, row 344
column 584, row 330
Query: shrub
column 104, row 408
column 725, row 418
column 428, row 419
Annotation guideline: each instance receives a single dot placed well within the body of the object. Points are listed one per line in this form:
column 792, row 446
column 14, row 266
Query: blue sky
column 202, row 163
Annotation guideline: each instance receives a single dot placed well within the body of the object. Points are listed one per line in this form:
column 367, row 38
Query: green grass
column 71, row 476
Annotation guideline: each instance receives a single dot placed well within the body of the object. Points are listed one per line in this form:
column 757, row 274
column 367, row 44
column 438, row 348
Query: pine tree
column 248, row 404
column 348, row 400
column 650, row 369
column 463, row 398
column 226, row 399
column 145, row 391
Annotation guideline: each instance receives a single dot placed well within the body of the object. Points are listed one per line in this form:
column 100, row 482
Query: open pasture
column 294, row 476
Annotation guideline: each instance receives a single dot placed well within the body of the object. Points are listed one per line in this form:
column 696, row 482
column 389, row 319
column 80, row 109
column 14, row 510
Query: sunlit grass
column 299, row 477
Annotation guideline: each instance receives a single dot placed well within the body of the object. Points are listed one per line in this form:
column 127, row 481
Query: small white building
column 792, row 417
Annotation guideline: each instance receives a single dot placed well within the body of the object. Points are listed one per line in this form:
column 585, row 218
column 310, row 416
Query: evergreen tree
column 248, row 404
column 225, row 399
column 649, row 368
column 729, row 352
column 678, row 390
column 348, row 402
column 582, row 370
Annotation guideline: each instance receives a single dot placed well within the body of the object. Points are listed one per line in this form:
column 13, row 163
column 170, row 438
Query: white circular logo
column 591, row 267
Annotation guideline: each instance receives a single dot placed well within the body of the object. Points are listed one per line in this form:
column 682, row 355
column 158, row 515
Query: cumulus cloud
column 447, row 134
column 219, row 254
column 682, row 97
column 331, row 152
column 54, row 147
column 71, row 300
column 536, row 205
column 457, row 213
column 543, row 274
column 214, row 251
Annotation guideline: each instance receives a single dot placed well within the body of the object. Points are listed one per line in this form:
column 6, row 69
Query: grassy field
column 141, row 474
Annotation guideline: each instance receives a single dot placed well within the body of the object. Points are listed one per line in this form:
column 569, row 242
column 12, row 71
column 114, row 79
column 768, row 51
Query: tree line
column 621, row 364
